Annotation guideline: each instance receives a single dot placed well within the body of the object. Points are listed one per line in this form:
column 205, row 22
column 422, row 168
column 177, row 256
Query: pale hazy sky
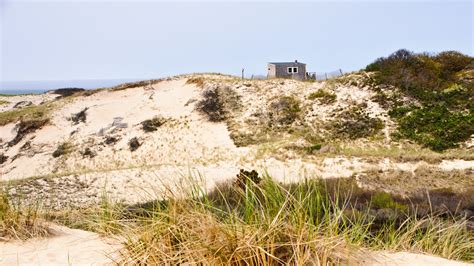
column 59, row 40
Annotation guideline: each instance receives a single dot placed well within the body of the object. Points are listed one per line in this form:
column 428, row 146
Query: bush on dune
column 442, row 84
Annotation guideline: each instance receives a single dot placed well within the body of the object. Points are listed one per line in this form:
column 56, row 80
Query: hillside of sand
column 87, row 143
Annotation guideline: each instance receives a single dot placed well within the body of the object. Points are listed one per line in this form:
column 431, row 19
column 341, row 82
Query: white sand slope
column 67, row 247
column 412, row 259
column 187, row 144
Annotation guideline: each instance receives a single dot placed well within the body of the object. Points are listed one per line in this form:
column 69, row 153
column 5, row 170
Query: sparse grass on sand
column 34, row 112
column 2, row 102
column 18, row 222
column 315, row 222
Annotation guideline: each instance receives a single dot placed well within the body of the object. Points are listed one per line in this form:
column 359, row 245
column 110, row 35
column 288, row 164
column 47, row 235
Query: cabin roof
column 286, row 63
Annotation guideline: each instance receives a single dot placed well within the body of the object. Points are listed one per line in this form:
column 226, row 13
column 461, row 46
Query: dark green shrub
column 218, row 103
column 442, row 84
column 3, row 158
column 285, row 110
column 66, row 92
column 62, row 149
column 355, row 123
column 400, row 111
column 79, row 117
column 134, row 144
column 26, row 127
column 436, row 127
column 153, row 124
column 383, row 200
column 311, row 149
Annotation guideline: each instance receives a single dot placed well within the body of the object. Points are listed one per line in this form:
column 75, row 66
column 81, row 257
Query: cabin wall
column 281, row 71
column 271, row 71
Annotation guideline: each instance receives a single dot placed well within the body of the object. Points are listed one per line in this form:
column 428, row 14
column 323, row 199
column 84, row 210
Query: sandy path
column 412, row 259
column 68, row 247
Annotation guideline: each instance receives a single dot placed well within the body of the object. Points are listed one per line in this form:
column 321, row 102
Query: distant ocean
column 37, row 87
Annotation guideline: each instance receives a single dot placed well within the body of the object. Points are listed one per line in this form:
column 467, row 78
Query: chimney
column 296, row 61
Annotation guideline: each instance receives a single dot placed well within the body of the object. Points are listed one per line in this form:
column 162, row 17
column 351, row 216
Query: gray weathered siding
column 271, row 71
column 280, row 70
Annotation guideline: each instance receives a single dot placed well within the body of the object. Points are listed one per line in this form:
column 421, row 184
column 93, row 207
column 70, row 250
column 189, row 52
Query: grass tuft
column 20, row 223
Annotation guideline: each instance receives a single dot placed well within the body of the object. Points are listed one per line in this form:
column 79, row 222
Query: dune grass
column 18, row 222
column 263, row 222
column 34, row 112
column 314, row 222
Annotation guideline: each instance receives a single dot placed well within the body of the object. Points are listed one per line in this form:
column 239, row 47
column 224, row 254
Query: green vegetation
column 63, row 149
column 437, row 127
column 311, row 149
column 383, row 200
column 26, row 127
column 259, row 221
column 355, row 123
column 20, row 223
column 284, row 111
column 442, row 84
column 323, row 96
column 218, row 103
column 153, row 124
column 256, row 220
column 134, row 143
column 34, row 112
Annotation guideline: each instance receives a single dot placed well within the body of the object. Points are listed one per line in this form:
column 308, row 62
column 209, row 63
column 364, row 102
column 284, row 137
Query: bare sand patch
column 67, row 247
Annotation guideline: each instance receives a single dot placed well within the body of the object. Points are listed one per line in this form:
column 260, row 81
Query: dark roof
column 286, row 63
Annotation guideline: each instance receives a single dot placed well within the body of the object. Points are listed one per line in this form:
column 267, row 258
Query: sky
column 73, row 40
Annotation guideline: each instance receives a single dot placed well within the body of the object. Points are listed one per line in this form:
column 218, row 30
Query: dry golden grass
column 34, row 112
column 22, row 223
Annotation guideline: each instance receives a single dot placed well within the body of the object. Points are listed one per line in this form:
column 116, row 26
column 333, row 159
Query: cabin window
column 292, row 70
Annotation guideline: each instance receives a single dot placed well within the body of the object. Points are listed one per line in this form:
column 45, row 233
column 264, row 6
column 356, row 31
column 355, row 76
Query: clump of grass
column 111, row 140
column 313, row 148
column 198, row 81
column 63, row 149
column 134, row 144
column 284, row 111
column 325, row 97
column 20, row 223
column 3, row 158
column 2, row 102
column 219, row 103
column 34, row 112
column 383, row 200
column 79, row 117
column 355, row 123
column 153, row 124
column 137, row 84
column 67, row 92
column 26, row 127
column 264, row 222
